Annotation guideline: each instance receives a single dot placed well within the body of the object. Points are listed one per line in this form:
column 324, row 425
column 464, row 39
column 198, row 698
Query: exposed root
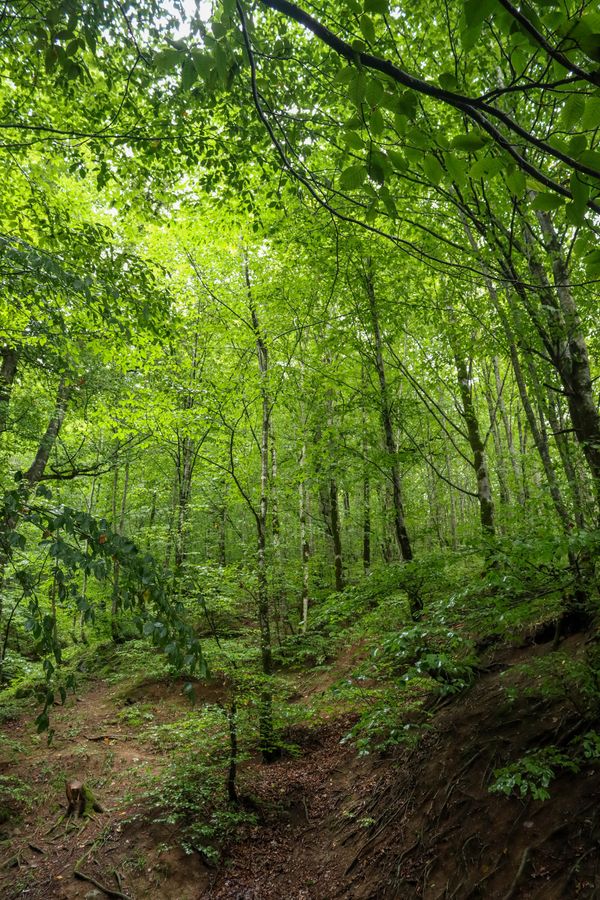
column 110, row 892
column 520, row 872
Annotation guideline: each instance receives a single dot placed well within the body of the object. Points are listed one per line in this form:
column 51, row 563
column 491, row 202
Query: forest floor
column 419, row 823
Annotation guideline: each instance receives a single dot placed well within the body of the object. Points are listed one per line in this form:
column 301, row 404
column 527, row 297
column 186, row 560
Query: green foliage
column 428, row 650
column 393, row 717
column 304, row 650
column 561, row 675
column 190, row 793
column 15, row 795
column 532, row 774
column 16, row 667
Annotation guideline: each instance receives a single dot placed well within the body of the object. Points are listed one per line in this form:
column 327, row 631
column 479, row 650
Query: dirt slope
column 419, row 825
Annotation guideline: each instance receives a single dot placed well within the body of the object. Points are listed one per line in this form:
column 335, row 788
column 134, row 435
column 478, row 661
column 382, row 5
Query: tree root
column 520, row 872
column 110, row 892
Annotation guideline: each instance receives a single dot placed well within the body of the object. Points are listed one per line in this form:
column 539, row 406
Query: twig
column 308, row 819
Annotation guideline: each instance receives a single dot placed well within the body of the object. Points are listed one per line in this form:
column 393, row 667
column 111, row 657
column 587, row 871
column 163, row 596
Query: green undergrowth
column 189, row 793
column 531, row 775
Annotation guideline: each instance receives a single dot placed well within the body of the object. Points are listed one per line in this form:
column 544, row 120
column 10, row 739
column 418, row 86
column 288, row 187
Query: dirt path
column 98, row 739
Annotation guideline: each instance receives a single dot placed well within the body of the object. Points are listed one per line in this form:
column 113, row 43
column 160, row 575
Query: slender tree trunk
column 186, row 454
column 569, row 351
column 565, row 449
column 10, row 516
column 329, row 503
column 278, row 592
column 366, row 524
column 90, row 510
column 267, row 739
column 387, row 553
column 469, row 414
column 8, row 371
column 304, row 541
column 452, row 504
column 336, row 534
column 402, row 538
column 37, row 468
column 119, row 527
column 538, row 434
column 222, row 527
column 508, row 432
column 498, row 450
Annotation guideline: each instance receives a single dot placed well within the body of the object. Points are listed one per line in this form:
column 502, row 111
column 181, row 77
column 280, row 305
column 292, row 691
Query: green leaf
column 353, row 177
column 188, row 74
column 42, row 722
column 472, row 141
column 398, row 160
column 591, row 117
column 457, row 168
column 448, row 81
column 580, row 190
column 590, row 44
column 591, row 158
column 592, row 263
column 353, row 140
column 572, row 111
column 167, row 59
column 218, row 29
column 406, row 104
column 577, row 145
column 469, row 37
column 548, row 202
column 377, row 6
column 345, row 75
column 367, row 28
column 376, row 122
column 379, row 166
column 433, row 169
column 475, row 11
column 574, row 214
column 357, row 88
column 374, row 91
column 487, row 167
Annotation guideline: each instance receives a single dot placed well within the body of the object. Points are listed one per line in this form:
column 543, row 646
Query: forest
column 300, row 449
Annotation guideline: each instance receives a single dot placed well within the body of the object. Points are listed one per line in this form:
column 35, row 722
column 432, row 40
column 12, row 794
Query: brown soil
column 419, row 825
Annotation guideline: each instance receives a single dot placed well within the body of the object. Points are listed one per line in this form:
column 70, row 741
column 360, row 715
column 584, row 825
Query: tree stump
column 81, row 800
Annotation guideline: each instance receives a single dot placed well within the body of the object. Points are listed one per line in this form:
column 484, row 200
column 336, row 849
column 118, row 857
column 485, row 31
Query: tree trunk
column 569, row 352
column 336, row 534
column 498, row 450
column 304, row 541
column 119, row 527
column 366, row 525
column 8, row 371
column 469, row 414
column 36, row 470
column 266, row 732
column 185, row 454
column 400, row 531
column 33, row 475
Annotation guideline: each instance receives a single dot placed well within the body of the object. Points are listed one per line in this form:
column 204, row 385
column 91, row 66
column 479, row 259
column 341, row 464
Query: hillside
column 323, row 821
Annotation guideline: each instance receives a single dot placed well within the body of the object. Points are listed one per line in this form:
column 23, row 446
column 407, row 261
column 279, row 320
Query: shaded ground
column 331, row 825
